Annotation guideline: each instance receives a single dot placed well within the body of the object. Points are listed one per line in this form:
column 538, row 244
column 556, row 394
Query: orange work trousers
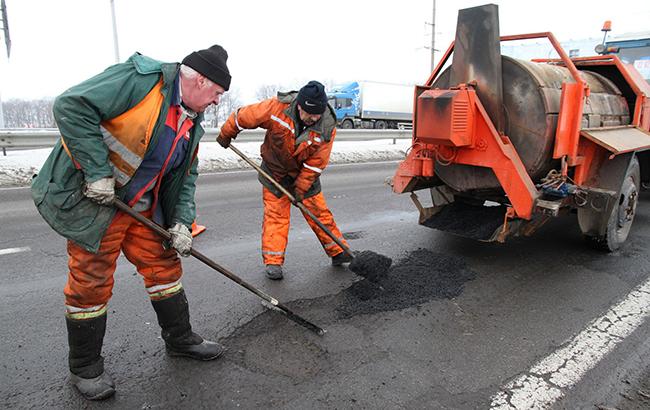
column 90, row 279
column 277, row 217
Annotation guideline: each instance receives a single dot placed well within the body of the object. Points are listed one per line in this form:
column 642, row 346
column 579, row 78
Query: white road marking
column 8, row 251
column 548, row 379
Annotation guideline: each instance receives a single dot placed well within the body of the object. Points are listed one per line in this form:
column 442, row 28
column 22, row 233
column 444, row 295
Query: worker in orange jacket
column 301, row 127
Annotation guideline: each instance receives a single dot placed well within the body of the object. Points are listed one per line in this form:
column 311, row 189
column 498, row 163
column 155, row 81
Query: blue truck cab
column 344, row 98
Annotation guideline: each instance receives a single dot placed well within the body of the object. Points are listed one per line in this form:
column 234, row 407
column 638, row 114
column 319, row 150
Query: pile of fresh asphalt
column 417, row 278
column 370, row 264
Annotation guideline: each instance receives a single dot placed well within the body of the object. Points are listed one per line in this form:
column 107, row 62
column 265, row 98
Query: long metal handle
column 299, row 204
column 198, row 255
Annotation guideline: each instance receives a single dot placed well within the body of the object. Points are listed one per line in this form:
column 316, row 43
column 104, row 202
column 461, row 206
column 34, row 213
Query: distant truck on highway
column 369, row 104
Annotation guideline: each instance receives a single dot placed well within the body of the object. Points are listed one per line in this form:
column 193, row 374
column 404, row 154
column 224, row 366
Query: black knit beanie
column 312, row 98
column 211, row 62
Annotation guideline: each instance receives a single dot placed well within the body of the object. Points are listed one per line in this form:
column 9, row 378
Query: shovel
column 198, row 255
column 366, row 263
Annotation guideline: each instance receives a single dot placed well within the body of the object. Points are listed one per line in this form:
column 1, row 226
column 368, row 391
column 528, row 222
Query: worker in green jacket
column 131, row 132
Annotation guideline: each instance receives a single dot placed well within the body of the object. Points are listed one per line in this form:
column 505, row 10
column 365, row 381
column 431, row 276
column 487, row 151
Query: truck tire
column 380, row 125
column 347, row 124
column 622, row 216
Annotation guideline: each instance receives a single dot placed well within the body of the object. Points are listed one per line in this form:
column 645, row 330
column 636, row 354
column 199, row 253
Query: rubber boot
column 85, row 338
column 341, row 258
column 273, row 272
column 174, row 319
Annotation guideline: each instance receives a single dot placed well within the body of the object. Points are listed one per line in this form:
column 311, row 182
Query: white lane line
column 7, row 251
column 548, row 379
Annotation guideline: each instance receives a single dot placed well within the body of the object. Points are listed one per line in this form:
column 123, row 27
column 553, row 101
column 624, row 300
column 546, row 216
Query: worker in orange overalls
column 131, row 132
column 301, row 127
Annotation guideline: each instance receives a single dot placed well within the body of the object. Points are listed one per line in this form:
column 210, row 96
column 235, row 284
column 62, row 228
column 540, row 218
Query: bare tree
column 28, row 113
column 214, row 116
column 267, row 91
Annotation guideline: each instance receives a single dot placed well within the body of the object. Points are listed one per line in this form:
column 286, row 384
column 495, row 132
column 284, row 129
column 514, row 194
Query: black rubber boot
column 174, row 319
column 274, row 272
column 85, row 338
column 341, row 258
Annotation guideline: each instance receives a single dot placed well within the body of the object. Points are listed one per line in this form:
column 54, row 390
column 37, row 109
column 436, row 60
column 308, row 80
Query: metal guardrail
column 46, row 137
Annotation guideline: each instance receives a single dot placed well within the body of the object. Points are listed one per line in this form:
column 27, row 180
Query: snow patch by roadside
column 18, row 167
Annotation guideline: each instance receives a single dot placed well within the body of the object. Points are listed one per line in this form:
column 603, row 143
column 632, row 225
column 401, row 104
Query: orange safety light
column 607, row 26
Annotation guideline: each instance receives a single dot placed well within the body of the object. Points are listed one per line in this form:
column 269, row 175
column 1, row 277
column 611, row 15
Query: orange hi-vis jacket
column 302, row 157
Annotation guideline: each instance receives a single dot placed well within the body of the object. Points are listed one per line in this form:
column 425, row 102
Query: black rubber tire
column 622, row 216
column 347, row 124
column 380, row 125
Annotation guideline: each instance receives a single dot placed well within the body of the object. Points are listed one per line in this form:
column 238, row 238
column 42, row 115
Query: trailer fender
column 610, row 176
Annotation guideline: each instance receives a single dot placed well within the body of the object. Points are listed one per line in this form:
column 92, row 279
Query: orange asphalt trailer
column 531, row 139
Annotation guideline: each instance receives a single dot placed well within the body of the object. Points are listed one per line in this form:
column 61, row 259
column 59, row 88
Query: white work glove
column 101, row 191
column 181, row 239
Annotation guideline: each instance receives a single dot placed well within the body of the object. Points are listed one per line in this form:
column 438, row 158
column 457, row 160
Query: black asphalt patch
column 417, row 278
column 273, row 345
column 353, row 235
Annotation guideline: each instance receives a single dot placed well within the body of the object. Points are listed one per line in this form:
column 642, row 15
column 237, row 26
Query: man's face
column 307, row 118
column 201, row 93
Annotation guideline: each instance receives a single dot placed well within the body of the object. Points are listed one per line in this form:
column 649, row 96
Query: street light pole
column 433, row 37
column 115, row 43
column 5, row 31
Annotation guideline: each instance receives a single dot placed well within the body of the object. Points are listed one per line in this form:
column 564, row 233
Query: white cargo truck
column 370, row 104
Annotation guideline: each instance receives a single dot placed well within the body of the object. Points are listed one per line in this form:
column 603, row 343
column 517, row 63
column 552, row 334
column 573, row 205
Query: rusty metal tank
column 531, row 102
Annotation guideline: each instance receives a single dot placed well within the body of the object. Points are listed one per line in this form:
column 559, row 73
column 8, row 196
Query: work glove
column 181, row 239
column 101, row 191
column 223, row 141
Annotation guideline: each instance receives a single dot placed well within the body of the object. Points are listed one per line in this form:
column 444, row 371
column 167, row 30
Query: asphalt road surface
column 456, row 324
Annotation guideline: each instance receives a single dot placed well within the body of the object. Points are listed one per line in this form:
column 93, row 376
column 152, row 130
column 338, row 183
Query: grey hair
column 189, row 72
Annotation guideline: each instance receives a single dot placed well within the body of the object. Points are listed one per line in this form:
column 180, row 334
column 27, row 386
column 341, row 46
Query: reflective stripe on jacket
column 127, row 135
column 301, row 158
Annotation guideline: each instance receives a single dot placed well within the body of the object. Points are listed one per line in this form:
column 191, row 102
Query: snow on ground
column 18, row 166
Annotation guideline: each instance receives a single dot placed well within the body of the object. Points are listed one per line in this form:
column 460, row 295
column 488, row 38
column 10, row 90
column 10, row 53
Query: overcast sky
column 58, row 43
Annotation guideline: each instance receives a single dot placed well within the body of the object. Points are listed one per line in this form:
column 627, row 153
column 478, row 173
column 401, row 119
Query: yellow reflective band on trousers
column 163, row 291
column 85, row 313
column 275, row 228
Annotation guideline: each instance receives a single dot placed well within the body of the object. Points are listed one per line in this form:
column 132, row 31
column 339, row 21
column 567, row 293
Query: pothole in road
column 353, row 235
column 271, row 344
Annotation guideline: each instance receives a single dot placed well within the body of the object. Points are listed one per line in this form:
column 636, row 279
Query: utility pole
column 115, row 43
column 5, row 30
column 433, row 37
